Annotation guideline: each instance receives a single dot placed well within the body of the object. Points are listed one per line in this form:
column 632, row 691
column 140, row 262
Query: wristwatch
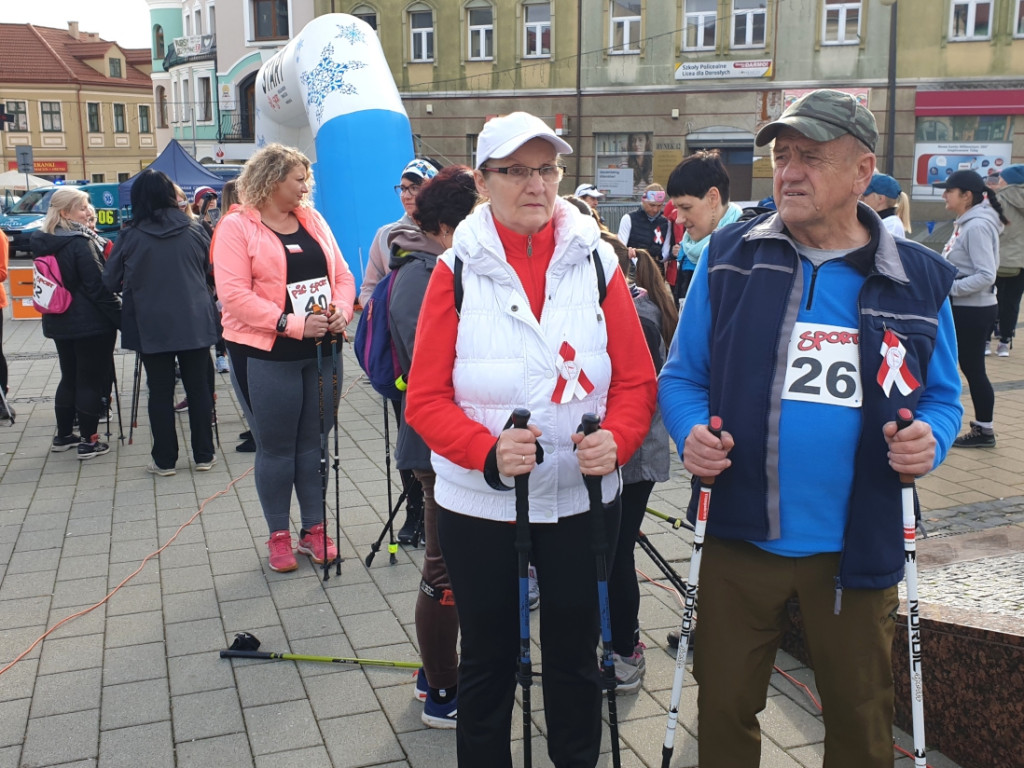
column 282, row 323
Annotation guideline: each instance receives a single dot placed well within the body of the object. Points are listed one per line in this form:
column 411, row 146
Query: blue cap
column 1013, row 174
column 884, row 185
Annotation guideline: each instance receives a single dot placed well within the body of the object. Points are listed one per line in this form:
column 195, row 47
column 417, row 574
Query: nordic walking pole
column 7, row 406
column 136, row 384
column 245, row 647
column 323, row 439
column 715, row 427
column 675, row 522
column 904, row 418
column 520, row 418
column 590, row 424
column 335, row 363
column 663, row 565
column 390, row 527
column 117, row 400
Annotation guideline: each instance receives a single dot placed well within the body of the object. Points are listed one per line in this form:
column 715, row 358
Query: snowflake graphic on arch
column 328, row 77
column 351, row 34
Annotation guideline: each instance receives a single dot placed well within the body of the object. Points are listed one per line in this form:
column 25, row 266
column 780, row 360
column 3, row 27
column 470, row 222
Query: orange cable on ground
column 127, row 578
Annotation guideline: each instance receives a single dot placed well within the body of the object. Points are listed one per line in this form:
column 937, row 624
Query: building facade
column 83, row 104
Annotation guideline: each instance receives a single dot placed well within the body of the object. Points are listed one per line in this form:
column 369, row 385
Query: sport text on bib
column 823, row 365
column 304, row 294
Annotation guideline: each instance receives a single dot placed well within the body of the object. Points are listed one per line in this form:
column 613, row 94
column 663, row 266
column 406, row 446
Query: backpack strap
column 602, row 283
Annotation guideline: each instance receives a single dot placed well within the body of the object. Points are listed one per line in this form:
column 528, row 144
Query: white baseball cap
column 588, row 190
column 503, row 135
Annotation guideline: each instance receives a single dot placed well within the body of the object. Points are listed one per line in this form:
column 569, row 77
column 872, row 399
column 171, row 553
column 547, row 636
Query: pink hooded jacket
column 251, row 271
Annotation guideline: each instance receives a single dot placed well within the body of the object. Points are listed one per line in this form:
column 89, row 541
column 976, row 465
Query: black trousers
column 482, row 563
column 1008, row 292
column 973, row 325
column 85, row 366
column 3, row 360
column 623, row 590
column 195, row 376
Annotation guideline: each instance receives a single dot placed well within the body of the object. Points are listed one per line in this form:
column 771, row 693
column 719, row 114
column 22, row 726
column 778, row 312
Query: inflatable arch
column 330, row 93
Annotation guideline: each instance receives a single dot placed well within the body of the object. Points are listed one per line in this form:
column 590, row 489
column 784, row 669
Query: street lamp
column 890, row 142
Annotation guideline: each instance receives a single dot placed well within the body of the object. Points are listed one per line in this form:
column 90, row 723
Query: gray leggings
column 285, row 420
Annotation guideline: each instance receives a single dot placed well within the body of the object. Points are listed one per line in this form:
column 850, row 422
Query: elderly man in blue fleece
column 806, row 330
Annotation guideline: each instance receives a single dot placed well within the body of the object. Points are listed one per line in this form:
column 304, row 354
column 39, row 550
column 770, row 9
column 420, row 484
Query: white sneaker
column 1003, row 350
column 629, row 671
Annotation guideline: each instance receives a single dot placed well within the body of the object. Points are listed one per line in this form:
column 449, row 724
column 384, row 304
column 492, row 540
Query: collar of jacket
column 878, row 255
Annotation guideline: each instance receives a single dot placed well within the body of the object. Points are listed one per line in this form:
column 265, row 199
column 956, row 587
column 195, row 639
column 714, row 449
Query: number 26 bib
column 823, row 365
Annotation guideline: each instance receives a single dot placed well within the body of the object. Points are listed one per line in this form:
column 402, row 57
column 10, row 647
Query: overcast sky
column 125, row 22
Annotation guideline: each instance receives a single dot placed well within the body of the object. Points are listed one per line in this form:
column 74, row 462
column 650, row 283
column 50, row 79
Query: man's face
column 817, row 184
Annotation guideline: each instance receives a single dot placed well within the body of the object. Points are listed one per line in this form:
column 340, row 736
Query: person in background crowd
column 973, row 249
column 415, row 176
column 1009, row 183
column 590, row 195
column 204, row 202
column 807, row 499
column 85, row 333
column 530, row 295
column 440, row 206
column 886, row 198
column 699, row 188
column 159, row 266
column 650, row 464
column 647, row 227
column 273, row 257
column 6, row 411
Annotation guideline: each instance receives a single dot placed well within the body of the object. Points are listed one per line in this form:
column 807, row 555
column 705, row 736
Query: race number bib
column 823, row 365
column 304, row 294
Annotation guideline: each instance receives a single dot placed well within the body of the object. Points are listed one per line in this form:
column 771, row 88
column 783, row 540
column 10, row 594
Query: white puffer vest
column 505, row 359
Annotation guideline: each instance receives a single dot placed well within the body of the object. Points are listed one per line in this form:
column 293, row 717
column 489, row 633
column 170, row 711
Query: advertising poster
column 935, row 161
column 632, row 153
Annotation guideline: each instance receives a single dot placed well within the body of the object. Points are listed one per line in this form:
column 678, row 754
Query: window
column 211, row 20
column 625, row 29
column 840, row 23
column 1018, row 20
column 537, row 29
column 188, row 25
column 186, row 102
column 367, row 14
column 120, row 126
column 92, row 110
column 421, row 22
column 144, row 126
column 199, row 22
column 701, row 24
column 158, row 41
column 19, row 111
column 625, row 161
column 748, row 20
column 50, row 111
column 98, row 178
column 205, row 99
column 177, row 111
column 115, row 67
column 161, row 107
column 972, row 20
column 123, row 177
column 271, row 19
column 481, row 33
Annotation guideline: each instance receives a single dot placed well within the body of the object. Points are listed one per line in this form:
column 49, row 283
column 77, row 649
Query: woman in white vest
column 532, row 331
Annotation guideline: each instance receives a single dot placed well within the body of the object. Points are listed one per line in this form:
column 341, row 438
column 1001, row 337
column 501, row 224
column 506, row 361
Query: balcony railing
column 237, row 125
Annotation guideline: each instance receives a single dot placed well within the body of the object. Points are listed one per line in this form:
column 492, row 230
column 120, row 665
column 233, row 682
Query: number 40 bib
column 823, row 365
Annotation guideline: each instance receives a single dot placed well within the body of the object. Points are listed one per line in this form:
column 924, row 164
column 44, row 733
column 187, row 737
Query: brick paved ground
column 138, row 681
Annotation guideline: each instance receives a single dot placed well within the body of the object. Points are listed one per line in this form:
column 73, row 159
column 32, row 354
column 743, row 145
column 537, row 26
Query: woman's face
column 638, row 143
column 700, row 215
column 524, row 206
column 78, row 212
column 957, row 200
column 875, row 201
column 407, row 191
column 290, row 191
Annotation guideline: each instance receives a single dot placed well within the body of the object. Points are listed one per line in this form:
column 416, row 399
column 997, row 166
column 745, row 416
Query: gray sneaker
column 629, row 671
column 534, row 592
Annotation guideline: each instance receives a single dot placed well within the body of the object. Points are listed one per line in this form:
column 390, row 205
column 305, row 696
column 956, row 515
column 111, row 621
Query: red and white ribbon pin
column 894, row 367
column 572, row 381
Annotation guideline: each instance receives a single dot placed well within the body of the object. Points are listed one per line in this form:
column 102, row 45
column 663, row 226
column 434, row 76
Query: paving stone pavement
column 137, row 680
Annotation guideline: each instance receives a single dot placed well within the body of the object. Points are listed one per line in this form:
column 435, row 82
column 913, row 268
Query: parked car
column 27, row 214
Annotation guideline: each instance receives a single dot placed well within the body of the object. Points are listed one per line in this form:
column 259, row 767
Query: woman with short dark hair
column 159, row 265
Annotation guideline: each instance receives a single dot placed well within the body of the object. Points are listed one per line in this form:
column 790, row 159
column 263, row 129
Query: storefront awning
column 954, row 103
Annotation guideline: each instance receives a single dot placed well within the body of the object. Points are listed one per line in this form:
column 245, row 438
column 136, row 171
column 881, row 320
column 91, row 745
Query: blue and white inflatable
column 330, row 93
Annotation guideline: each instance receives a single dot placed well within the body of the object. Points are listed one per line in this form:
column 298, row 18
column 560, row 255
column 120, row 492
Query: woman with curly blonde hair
column 276, row 260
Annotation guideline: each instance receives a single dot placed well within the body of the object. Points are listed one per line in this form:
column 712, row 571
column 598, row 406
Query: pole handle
column 715, row 428
column 904, row 418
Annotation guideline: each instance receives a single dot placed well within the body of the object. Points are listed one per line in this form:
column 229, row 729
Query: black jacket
column 160, row 267
column 94, row 310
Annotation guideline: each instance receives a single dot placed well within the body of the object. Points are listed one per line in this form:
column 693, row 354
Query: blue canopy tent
column 183, row 170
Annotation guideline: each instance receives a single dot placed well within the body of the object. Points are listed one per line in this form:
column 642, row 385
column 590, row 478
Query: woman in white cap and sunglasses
column 531, row 331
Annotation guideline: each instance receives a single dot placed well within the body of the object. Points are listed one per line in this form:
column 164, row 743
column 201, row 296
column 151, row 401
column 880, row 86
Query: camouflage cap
column 824, row 115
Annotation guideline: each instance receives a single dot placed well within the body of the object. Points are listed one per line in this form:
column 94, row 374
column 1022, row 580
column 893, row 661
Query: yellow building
column 83, row 104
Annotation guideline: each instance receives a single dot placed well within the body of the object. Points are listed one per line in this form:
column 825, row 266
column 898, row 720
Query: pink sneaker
column 282, row 558
column 312, row 543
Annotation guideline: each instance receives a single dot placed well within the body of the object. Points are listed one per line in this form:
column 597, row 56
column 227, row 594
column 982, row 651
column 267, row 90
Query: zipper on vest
column 810, row 292
column 839, row 595
column 529, row 246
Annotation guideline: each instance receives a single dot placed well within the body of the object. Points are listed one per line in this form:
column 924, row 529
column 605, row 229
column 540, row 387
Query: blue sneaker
column 440, row 715
column 422, row 689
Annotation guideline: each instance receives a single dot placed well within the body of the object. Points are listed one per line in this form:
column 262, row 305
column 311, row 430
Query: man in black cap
column 806, row 330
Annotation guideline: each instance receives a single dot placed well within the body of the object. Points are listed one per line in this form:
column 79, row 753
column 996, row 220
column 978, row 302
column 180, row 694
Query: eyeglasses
column 549, row 174
column 411, row 189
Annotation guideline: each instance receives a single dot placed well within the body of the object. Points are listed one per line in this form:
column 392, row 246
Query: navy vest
column 642, row 229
